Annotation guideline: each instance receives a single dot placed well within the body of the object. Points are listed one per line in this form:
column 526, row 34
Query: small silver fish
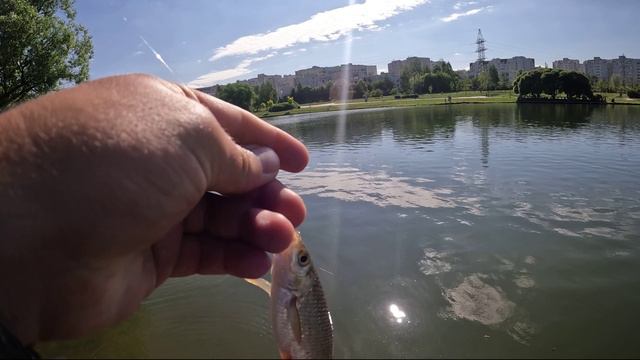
column 300, row 318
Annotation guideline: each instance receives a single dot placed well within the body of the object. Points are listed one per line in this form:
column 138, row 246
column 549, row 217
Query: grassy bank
column 462, row 97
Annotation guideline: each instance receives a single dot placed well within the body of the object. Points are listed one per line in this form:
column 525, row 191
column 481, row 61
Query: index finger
column 248, row 129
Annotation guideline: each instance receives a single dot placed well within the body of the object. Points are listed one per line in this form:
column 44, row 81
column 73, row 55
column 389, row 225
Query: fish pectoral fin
column 294, row 319
column 261, row 283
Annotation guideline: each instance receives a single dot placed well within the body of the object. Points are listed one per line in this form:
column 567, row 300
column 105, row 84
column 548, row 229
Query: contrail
column 158, row 56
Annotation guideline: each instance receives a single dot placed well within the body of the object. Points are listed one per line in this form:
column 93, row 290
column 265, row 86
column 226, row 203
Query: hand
column 103, row 196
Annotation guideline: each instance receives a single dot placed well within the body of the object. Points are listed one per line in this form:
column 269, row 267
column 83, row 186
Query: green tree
column 483, row 81
column 265, row 92
column 413, row 67
column 41, row 48
column 529, row 84
column 504, row 81
column 241, row 95
column 575, row 85
column 417, row 85
column 550, row 82
column 385, row 85
column 375, row 93
column 493, row 78
column 615, row 84
column 360, row 89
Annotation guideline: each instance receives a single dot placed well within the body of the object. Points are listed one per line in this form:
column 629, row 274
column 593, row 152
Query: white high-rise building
column 319, row 76
column 283, row 84
column 396, row 67
column 507, row 68
column 569, row 65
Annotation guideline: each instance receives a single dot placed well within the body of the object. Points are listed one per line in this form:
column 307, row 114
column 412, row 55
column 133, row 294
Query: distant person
column 104, row 195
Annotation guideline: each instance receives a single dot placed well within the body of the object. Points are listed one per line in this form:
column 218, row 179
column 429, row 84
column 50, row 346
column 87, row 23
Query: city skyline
column 219, row 43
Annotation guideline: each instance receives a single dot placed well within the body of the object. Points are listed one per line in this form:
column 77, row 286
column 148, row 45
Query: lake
column 447, row 231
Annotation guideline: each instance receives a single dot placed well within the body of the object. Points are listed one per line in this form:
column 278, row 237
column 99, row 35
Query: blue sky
column 202, row 42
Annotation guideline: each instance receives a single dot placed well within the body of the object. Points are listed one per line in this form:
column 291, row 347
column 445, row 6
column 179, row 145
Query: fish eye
column 303, row 258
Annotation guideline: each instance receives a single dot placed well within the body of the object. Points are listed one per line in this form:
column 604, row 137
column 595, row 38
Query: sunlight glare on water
column 397, row 313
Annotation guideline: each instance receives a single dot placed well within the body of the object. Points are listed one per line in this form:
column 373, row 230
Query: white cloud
column 138, row 53
column 460, row 4
column 218, row 76
column 324, row 26
column 287, row 53
column 124, row 18
column 456, row 16
column 303, row 50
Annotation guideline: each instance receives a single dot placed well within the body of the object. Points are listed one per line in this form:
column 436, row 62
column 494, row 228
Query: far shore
column 464, row 97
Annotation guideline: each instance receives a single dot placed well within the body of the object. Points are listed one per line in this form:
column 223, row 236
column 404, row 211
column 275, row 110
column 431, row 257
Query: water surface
column 445, row 231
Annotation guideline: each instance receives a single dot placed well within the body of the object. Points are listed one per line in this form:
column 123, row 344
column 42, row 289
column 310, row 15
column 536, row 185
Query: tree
column 385, row 85
column 241, row 95
column 494, row 78
column 550, row 82
column 575, row 85
column 42, row 48
column 529, row 84
column 483, row 81
column 615, row 83
column 265, row 92
column 504, row 81
column 413, row 67
column 375, row 93
column 360, row 89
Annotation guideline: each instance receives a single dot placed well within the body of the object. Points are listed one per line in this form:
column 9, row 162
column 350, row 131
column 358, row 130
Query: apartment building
column 283, row 84
column 396, row 67
column 318, row 76
column 508, row 68
column 569, row 65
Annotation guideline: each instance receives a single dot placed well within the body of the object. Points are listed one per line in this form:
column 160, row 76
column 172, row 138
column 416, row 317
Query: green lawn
column 462, row 97
column 624, row 99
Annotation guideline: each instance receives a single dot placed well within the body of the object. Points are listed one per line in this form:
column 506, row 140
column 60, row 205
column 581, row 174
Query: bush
column 375, row 93
column 406, row 96
column 634, row 94
column 284, row 106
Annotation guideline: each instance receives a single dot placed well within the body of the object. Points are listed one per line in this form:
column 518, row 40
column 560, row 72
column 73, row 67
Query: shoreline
column 425, row 101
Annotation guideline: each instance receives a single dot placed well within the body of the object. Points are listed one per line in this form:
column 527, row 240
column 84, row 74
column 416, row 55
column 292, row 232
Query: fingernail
column 268, row 158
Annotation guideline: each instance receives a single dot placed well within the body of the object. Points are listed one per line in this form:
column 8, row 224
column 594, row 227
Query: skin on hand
column 104, row 195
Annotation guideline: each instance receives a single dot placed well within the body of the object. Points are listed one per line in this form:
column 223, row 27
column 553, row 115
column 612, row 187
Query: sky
column 205, row 42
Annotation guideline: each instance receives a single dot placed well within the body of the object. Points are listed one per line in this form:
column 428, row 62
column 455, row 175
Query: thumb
column 244, row 169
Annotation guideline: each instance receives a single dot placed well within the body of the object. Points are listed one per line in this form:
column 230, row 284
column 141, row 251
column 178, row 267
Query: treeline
column 333, row 91
column 553, row 83
column 418, row 79
column 261, row 97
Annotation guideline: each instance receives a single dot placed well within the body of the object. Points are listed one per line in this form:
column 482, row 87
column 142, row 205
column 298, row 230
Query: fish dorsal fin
column 261, row 283
column 294, row 319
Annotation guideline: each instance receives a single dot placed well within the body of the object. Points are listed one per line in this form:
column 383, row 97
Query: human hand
column 103, row 196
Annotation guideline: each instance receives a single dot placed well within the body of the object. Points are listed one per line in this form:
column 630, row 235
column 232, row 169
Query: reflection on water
column 474, row 300
column 447, row 231
column 399, row 315
column 350, row 184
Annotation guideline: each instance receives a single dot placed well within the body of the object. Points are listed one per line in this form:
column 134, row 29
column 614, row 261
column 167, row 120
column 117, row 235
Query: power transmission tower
column 482, row 60
column 481, row 48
